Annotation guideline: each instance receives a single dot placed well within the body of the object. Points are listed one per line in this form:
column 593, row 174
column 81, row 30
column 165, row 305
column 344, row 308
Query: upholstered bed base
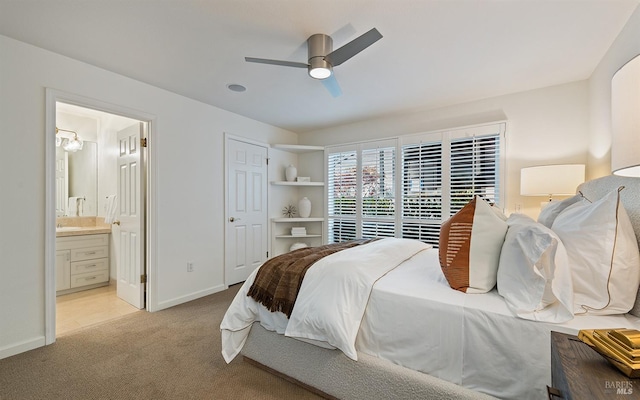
column 333, row 375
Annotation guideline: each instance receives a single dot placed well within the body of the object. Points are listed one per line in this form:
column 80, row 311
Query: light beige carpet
column 169, row 354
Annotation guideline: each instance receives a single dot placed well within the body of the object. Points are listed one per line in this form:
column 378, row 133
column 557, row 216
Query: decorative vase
column 290, row 173
column 304, row 207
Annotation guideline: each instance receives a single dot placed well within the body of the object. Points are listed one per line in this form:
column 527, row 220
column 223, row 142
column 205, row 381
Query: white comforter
column 416, row 320
column 331, row 302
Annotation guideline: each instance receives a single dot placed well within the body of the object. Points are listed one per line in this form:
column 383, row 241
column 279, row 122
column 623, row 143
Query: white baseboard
column 192, row 296
column 21, row 347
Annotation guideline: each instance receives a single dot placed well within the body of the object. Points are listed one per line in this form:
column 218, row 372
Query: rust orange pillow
column 470, row 244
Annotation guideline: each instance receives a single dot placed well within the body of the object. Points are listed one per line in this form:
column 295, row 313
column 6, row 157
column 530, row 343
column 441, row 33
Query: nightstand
column 579, row 372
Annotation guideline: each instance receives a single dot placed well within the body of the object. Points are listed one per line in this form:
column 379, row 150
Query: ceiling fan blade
column 276, row 62
column 354, row 47
column 331, row 84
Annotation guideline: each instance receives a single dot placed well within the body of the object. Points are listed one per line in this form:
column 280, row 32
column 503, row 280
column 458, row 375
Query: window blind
column 422, row 190
column 407, row 187
column 342, row 184
column 378, row 192
column 474, row 170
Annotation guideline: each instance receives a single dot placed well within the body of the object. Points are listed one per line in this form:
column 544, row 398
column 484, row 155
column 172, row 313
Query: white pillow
column 603, row 255
column 534, row 275
column 551, row 211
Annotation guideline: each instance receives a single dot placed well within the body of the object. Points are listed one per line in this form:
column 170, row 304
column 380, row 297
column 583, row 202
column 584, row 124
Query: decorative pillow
column 470, row 243
column 603, row 255
column 551, row 211
column 534, row 275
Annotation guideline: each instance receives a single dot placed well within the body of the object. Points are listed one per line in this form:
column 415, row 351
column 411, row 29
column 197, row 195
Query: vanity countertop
column 82, row 230
column 76, row 226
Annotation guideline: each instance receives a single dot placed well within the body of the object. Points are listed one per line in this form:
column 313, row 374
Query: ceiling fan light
column 320, row 73
column 319, row 68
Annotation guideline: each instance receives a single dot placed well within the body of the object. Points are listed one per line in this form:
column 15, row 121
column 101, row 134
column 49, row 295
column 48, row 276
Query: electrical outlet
column 190, row 266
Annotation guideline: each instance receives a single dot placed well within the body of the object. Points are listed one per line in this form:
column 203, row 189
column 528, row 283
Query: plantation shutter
column 437, row 174
column 378, row 190
column 422, row 190
column 342, row 184
column 474, row 169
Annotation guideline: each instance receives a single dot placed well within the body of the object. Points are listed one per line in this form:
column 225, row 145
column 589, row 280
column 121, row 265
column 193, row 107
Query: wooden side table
column 579, row 372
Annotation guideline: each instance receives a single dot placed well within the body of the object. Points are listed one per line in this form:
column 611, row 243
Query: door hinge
column 267, row 160
column 143, row 278
column 143, row 142
column 267, row 254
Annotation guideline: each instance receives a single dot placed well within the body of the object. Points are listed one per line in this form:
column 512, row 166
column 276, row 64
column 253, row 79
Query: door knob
column 116, row 222
column 232, row 219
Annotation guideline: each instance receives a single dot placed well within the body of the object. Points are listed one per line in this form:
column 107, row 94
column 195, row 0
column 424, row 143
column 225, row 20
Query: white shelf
column 297, row 148
column 287, row 183
column 297, row 219
column 297, row 236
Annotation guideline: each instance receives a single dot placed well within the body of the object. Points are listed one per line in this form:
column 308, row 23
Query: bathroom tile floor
column 89, row 307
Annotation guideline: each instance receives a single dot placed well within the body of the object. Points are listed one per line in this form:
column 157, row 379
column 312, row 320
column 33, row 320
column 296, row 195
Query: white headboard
column 630, row 197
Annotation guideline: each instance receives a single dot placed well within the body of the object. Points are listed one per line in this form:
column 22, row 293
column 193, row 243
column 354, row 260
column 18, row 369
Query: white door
column 129, row 234
column 246, row 219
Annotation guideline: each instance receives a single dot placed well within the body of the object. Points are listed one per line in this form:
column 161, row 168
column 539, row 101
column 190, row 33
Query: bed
column 417, row 337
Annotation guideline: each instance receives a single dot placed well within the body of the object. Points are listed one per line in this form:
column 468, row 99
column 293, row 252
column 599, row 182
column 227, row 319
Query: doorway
column 109, row 258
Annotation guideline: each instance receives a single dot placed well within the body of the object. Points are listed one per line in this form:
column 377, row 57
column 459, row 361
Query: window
column 343, row 184
column 361, row 191
column 422, row 190
column 436, row 175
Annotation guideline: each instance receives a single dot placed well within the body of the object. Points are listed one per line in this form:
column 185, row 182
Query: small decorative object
column 303, row 179
column 289, row 211
column 297, row 246
column 290, row 173
column 298, row 231
column 304, row 207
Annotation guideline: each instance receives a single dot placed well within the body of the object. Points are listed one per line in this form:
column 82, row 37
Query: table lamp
column 550, row 180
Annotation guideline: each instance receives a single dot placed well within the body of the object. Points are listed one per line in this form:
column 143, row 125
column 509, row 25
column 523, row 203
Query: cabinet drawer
column 81, row 267
column 76, row 242
column 89, row 253
column 89, row 278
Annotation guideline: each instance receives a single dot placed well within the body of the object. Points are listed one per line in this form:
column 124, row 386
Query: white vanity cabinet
column 63, row 269
column 82, row 262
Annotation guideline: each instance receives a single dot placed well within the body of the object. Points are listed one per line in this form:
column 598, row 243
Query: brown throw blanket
column 278, row 280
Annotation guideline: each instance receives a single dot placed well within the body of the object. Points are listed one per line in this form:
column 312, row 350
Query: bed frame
column 332, row 375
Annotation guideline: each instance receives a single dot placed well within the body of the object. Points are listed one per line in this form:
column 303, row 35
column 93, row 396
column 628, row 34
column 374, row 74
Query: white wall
column 189, row 157
column 624, row 48
column 545, row 126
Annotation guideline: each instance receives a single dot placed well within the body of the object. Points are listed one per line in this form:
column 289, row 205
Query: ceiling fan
column 322, row 58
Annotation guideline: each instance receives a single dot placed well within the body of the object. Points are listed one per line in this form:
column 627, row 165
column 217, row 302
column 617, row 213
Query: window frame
column 445, row 137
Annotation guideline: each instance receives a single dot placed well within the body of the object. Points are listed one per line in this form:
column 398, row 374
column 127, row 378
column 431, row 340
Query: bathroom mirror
column 80, row 177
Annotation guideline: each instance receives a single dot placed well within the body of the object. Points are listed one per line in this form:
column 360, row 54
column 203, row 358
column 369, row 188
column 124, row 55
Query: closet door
column 246, row 225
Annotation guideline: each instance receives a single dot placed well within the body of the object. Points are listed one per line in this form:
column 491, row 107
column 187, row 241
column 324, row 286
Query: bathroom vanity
column 82, row 259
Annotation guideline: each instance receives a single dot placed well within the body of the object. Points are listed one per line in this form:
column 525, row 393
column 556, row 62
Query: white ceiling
column 433, row 53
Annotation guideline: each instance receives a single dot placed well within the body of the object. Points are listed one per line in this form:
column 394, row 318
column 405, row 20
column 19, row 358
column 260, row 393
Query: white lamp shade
column 625, row 120
column 550, row 180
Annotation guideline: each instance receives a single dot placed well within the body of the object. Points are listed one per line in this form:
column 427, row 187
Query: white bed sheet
column 416, row 320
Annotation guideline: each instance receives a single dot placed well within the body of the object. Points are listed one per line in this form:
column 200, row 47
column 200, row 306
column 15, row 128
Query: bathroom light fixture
column 72, row 144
